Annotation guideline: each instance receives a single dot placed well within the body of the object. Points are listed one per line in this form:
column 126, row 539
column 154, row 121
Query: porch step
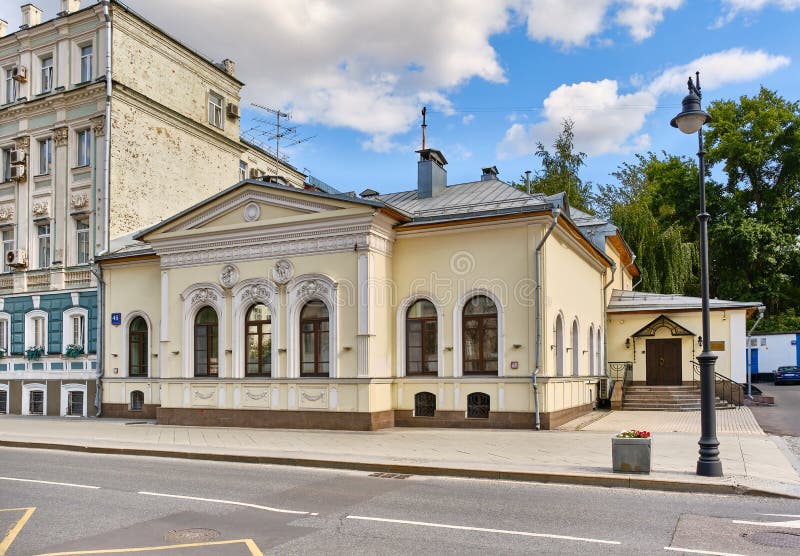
column 665, row 398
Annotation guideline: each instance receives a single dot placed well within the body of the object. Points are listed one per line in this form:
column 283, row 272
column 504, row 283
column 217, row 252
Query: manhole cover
column 191, row 535
column 774, row 538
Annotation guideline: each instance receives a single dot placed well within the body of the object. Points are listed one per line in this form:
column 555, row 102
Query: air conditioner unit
column 19, row 73
column 18, row 172
column 17, row 258
column 17, row 156
column 255, row 173
column 233, row 110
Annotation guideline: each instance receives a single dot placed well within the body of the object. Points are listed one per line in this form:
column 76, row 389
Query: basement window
column 424, row 405
column 478, row 406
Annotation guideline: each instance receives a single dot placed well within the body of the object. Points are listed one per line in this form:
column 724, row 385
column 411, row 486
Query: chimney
column 3, row 27
column 31, row 16
column 489, row 173
column 69, row 6
column 229, row 66
column 431, row 175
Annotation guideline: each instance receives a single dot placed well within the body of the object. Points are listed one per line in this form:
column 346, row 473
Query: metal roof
column 472, row 198
column 625, row 301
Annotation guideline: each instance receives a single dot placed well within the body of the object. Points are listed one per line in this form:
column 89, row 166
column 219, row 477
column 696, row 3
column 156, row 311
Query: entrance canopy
column 663, row 322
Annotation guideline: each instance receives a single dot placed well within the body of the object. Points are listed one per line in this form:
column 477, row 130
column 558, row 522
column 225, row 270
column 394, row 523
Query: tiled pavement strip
column 751, row 459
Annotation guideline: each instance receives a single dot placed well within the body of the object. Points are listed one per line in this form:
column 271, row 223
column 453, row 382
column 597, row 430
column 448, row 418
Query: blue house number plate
column 116, row 319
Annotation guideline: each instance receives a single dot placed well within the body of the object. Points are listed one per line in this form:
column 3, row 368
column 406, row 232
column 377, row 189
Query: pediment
column 663, row 322
column 248, row 206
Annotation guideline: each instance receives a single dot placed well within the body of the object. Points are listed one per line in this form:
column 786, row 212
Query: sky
column 496, row 76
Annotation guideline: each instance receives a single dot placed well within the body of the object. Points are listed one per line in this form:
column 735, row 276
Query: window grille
column 36, row 402
column 137, row 400
column 75, row 403
column 478, row 405
column 3, row 401
column 424, row 405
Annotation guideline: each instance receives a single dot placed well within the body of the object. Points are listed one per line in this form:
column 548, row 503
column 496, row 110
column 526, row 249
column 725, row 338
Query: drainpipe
column 605, row 318
column 627, row 266
column 750, row 353
column 107, row 161
column 633, row 287
column 101, row 287
column 538, row 313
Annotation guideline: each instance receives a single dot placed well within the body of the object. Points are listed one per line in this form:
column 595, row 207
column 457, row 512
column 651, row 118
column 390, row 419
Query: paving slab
column 752, row 462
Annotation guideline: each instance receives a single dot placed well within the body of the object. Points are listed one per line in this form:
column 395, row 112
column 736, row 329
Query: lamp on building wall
column 700, row 341
column 691, row 120
column 627, row 343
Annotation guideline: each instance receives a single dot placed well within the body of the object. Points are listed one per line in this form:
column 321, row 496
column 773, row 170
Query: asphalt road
column 114, row 503
column 783, row 418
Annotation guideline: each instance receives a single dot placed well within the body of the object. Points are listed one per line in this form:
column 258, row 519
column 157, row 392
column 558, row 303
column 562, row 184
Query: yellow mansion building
column 473, row 304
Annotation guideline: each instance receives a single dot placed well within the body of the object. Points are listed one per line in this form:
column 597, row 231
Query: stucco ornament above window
column 204, row 295
column 79, row 201
column 6, row 212
column 256, row 292
column 41, row 208
column 252, row 212
column 229, row 276
column 312, row 288
column 283, row 271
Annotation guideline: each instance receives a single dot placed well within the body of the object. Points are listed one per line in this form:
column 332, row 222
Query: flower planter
column 631, row 455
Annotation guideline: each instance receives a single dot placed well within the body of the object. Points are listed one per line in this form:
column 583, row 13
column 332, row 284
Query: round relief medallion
column 283, row 271
column 229, row 275
column 252, row 212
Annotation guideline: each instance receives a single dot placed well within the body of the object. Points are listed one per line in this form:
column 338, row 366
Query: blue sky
column 496, row 76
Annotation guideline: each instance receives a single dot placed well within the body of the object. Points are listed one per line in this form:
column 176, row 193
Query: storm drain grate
column 191, row 535
column 390, row 475
column 774, row 538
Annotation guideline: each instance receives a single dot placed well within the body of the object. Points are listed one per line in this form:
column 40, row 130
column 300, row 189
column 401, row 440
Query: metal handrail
column 617, row 369
column 726, row 389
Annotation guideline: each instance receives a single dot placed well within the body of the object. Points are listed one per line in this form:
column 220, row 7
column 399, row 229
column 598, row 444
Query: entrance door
column 663, row 362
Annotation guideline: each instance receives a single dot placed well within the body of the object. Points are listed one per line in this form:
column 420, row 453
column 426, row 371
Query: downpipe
column 750, row 354
column 538, row 313
column 107, row 157
column 605, row 316
column 101, row 288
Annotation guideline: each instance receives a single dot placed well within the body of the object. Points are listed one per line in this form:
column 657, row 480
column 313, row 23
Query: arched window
column 424, row 404
column 258, row 341
column 591, row 350
column 421, row 339
column 599, row 351
column 559, row 346
column 137, row 400
column 478, row 405
column 575, row 349
column 138, row 356
column 206, row 332
column 314, row 340
column 480, row 336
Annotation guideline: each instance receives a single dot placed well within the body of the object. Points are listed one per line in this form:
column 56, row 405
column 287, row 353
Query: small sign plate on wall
column 515, row 364
column 116, row 319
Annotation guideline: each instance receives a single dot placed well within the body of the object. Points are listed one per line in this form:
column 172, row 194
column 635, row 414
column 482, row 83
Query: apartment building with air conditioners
column 107, row 125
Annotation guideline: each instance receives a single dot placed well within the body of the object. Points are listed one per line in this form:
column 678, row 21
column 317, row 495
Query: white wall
column 777, row 351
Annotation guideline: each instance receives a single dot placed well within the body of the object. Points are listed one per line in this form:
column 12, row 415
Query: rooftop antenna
column 276, row 132
column 424, row 125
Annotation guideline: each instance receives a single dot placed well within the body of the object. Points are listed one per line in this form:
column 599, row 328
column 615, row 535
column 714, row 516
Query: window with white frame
column 5, row 334
column 3, row 400
column 75, row 400
column 215, row 102
column 43, row 233
column 7, row 164
column 82, row 240
column 10, row 86
column 47, row 74
column 7, row 236
column 75, row 329
column 34, row 399
column 45, row 155
column 242, row 170
column 86, row 63
column 36, row 329
column 84, row 147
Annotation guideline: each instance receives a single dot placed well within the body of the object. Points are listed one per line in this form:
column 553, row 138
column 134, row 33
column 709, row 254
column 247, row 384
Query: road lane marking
column 481, row 529
column 694, row 551
column 47, row 482
column 781, row 515
column 249, row 543
column 231, row 502
column 14, row 531
column 793, row 524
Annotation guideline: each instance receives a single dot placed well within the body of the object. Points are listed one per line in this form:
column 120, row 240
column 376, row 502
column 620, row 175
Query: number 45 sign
column 116, row 319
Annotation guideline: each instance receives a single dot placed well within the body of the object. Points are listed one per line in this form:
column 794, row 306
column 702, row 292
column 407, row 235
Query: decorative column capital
column 99, row 125
column 60, row 135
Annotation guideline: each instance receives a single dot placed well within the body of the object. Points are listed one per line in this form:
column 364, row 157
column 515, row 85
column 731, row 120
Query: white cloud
column 736, row 7
column 642, row 16
column 565, row 22
column 719, row 69
column 609, row 122
column 466, row 120
column 605, row 121
column 367, row 66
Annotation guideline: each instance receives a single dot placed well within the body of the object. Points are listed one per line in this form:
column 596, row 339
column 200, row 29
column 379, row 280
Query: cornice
column 69, row 98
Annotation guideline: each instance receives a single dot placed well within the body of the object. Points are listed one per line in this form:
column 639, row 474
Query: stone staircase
column 665, row 398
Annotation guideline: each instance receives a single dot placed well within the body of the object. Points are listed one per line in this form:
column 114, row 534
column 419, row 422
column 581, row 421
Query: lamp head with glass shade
column 692, row 116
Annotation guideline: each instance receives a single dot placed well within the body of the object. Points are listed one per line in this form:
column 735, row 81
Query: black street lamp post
column 691, row 120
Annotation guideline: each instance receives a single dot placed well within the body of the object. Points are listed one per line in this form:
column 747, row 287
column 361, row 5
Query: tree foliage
column 560, row 170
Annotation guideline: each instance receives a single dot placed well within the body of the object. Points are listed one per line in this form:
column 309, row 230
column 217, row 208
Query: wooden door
column 663, row 362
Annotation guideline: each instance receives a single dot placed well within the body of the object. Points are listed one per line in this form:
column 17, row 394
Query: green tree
column 560, row 170
column 651, row 205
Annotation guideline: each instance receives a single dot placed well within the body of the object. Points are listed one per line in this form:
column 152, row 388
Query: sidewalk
column 753, row 462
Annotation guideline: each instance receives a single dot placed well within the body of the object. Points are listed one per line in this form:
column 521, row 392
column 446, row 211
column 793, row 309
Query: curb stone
column 610, row 481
